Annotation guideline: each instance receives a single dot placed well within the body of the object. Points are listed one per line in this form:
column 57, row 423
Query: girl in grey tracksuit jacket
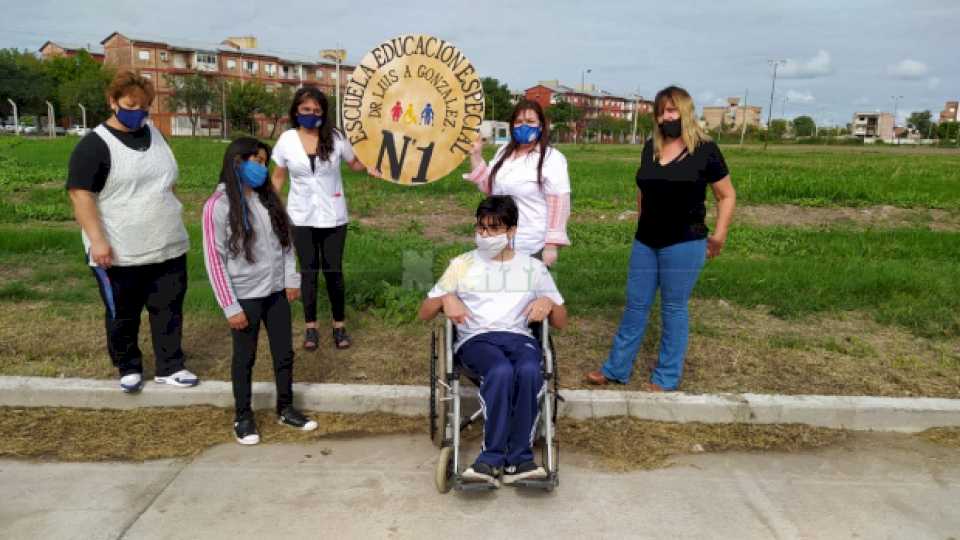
column 251, row 266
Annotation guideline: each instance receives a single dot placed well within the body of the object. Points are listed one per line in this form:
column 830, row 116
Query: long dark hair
column 325, row 140
column 543, row 143
column 241, row 238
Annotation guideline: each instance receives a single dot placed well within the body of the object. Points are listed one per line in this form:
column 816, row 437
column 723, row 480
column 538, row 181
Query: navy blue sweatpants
column 508, row 365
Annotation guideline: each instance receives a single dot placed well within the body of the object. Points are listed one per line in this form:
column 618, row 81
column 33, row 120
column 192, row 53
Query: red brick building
column 52, row 49
column 234, row 59
column 592, row 101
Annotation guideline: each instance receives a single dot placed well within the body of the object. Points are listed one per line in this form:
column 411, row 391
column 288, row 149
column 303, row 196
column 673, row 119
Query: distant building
column 732, row 115
column 950, row 112
column 872, row 125
column 233, row 59
column 591, row 100
column 52, row 49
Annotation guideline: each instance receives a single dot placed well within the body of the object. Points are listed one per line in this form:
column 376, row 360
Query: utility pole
column 743, row 120
column 223, row 104
column 636, row 113
column 773, row 87
column 51, row 121
column 83, row 110
column 16, row 118
column 338, row 55
column 583, row 91
column 896, row 101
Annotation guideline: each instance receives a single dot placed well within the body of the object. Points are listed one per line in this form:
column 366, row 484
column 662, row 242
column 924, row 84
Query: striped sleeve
column 558, row 213
column 481, row 177
column 214, row 257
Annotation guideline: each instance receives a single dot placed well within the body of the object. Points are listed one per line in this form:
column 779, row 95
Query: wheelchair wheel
column 438, row 392
column 444, row 473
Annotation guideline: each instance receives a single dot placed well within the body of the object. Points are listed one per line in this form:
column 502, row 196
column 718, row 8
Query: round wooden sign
column 413, row 108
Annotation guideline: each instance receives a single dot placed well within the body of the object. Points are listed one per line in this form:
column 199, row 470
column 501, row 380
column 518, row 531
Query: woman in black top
column 672, row 240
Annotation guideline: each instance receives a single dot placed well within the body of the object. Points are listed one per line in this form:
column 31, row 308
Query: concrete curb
column 846, row 412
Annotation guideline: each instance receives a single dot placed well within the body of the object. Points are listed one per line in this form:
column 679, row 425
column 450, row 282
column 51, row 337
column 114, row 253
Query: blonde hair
column 691, row 132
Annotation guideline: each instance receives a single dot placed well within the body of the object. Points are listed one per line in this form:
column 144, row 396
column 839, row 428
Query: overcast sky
column 842, row 55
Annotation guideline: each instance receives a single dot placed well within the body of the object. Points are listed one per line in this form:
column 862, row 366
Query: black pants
column 125, row 291
column 274, row 312
column 321, row 250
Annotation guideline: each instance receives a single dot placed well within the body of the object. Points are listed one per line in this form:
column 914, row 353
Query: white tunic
column 142, row 217
column 316, row 196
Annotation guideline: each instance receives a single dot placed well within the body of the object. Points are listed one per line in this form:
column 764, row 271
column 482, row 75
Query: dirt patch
column 735, row 349
column 624, row 443
column 51, row 434
column 948, row 436
column 436, row 219
column 79, row 434
column 790, row 215
column 732, row 349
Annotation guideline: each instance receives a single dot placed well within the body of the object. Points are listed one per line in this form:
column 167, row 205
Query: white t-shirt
column 316, row 196
column 496, row 293
column 517, row 177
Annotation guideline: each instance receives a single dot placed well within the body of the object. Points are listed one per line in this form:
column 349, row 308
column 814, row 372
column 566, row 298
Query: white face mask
column 491, row 246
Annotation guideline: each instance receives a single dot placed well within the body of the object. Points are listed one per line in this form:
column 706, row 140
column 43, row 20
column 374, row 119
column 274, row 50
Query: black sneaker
column 527, row 470
column 295, row 419
column 245, row 430
column 482, row 472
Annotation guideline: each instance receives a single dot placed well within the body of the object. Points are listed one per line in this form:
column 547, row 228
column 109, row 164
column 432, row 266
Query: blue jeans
column 674, row 269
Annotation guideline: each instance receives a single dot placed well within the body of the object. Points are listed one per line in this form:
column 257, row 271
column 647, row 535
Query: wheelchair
column 448, row 419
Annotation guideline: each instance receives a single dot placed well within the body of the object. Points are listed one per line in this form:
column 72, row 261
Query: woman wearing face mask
column 310, row 154
column 492, row 294
column 249, row 257
column 121, row 179
column 535, row 175
column 672, row 241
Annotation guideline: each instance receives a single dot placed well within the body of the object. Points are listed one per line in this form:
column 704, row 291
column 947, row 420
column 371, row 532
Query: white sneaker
column 182, row 378
column 131, row 383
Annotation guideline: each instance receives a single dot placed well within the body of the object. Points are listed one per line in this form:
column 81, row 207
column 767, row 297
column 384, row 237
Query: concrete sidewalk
column 875, row 486
column 842, row 412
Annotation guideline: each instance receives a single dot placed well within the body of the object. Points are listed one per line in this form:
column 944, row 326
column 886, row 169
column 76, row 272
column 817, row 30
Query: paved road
column 872, row 487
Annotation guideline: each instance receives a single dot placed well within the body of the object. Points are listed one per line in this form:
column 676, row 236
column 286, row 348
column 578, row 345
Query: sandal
column 341, row 339
column 311, row 339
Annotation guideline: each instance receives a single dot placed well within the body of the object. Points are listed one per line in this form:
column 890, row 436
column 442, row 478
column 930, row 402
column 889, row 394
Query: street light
column 51, row 121
column 16, row 119
column 773, row 87
column 896, row 101
column 338, row 56
column 583, row 90
column 84, row 111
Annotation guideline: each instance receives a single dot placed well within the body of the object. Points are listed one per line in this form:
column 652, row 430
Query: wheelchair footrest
column 460, row 484
column 546, row 484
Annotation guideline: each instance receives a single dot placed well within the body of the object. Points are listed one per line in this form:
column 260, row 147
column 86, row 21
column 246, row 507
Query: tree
column 921, row 121
column 277, row 106
column 79, row 80
column 24, row 80
column 244, row 101
column 947, row 130
column 804, row 126
column 777, row 128
column 498, row 100
column 192, row 94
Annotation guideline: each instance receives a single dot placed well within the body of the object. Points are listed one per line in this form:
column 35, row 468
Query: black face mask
column 671, row 128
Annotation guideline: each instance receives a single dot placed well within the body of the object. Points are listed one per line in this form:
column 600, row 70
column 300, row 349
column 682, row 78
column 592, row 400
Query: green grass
column 904, row 277
column 32, row 173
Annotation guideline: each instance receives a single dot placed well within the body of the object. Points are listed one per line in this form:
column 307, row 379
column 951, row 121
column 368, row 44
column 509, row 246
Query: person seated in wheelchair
column 493, row 294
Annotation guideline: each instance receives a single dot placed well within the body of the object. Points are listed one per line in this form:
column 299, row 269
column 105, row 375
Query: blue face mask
column 132, row 118
column 526, row 134
column 252, row 173
column 309, row 121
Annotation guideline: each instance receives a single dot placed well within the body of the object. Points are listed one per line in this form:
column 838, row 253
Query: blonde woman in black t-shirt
column 672, row 241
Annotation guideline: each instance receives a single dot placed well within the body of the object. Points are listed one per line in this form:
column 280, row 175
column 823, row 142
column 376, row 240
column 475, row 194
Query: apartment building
column 233, row 59
column 52, row 49
column 591, row 100
column 872, row 125
column 732, row 115
column 950, row 112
